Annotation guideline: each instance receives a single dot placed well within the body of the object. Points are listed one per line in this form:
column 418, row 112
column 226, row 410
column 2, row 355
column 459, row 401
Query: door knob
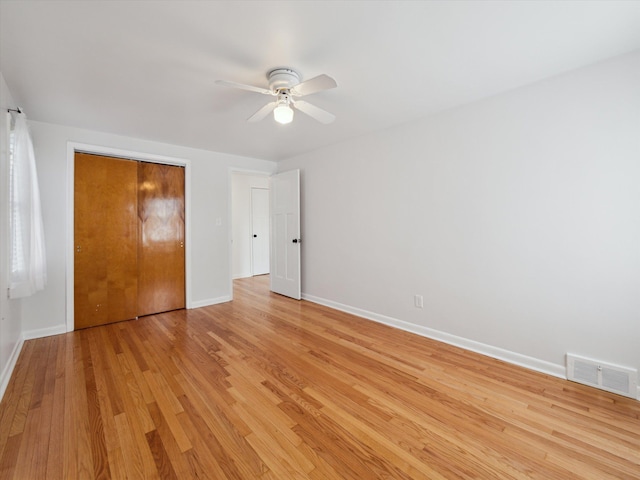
column 255, row 236
column 297, row 240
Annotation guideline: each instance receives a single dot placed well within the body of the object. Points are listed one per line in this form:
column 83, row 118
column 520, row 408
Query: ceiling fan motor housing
column 283, row 78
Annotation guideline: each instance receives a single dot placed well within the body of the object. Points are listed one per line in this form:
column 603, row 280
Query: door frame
column 72, row 148
column 230, row 172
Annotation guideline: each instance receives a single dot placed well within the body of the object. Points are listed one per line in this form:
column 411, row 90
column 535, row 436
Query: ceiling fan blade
column 263, row 112
column 241, row 86
column 313, row 85
column 314, row 112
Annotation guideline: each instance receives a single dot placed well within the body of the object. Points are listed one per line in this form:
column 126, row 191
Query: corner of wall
column 10, row 317
column 8, row 368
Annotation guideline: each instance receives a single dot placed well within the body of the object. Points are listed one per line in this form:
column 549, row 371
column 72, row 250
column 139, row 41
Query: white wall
column 210, row 271
column 10, row 324
column 241, row 185
column 517, row 218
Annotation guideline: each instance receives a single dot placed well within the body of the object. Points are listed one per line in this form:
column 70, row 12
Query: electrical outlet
column 418, row 301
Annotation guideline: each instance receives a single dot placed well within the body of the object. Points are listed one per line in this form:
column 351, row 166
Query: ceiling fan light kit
column 283, row 114
column 284, row 83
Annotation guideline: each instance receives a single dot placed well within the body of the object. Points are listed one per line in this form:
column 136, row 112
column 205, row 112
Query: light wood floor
column 267, row 387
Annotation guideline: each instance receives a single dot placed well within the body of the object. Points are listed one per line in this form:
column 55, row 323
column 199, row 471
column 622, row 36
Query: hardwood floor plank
column 158, row 356
column 69, row 457
column 98, row 445
column 266, row 387
column 336, row 445
column 135, row 401
column 269, row 436
column 129, row 397
column 178, row 460
column 132, row 352
column 9, row 458
column 149, row 464
column 373, row 436
column 133, row 455
column 167, row 406
column 23, row 401
column 110, row 431
column 226, row 465
column 38, row 455
column 26, row 466
column 160, row 456
column 11, row 400
column 77, row 459
column 40, row 372
column 230, row 443
column 56, row 449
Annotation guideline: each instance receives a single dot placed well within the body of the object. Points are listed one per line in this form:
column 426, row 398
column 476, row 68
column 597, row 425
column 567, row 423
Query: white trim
column 230, row 172
column 10, row 366
column 72, row 148
column 242, row 275
column 126, row 154
column 251, row 267
column 211, row 301
column 187, row 234
column 44, row 332
column 247, row 171
column 484, row 349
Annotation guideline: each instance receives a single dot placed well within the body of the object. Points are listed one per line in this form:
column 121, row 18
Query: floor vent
column 612, row 378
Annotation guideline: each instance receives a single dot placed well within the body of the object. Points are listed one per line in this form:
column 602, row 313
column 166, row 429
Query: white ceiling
column 146, row 69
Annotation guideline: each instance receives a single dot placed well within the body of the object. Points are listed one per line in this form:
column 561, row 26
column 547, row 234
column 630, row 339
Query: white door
column 285, row 233
column 259, row 231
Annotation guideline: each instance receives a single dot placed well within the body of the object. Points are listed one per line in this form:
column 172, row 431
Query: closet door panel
column 106, row 238
column 161, row 252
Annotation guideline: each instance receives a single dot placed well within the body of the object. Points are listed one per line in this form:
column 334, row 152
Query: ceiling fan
column 285, row 85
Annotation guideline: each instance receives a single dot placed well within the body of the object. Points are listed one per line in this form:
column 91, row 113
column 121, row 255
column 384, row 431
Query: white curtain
column 28, row 262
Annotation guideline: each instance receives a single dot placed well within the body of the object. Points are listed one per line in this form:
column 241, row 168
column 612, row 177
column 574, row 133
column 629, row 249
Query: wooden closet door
column 161, row 253
column 106, row 239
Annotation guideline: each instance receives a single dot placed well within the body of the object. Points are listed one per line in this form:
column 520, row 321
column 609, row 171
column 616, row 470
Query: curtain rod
column 17, row 110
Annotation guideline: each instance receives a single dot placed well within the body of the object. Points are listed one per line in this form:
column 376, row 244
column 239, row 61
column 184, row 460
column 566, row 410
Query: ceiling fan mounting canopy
column 283, row 78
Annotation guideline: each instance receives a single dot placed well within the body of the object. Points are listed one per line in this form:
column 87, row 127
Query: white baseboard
column 44, row 332
column 484, row 349
column 210, row 301
column 9, row 367
column 242, row 275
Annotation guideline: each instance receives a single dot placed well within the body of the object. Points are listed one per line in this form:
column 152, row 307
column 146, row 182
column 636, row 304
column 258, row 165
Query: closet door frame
column 72, row 149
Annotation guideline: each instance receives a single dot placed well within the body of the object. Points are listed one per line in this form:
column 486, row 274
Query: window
column 15, row 219
column 27, row 263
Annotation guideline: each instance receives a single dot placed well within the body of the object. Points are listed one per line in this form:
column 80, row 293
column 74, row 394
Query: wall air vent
column 612, row 378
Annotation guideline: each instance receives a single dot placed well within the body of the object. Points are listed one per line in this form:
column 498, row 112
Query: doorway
column 250, row 224
column 259, row 231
